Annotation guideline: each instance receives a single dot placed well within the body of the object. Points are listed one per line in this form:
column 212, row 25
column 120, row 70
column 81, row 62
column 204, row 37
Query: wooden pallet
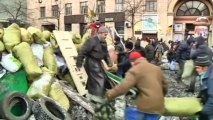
column 69, row 53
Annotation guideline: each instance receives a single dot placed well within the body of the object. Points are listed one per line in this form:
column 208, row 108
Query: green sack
column 53, row 41
column 46, row 34
column 2, row 48
column 76, row 37
column 40, row 86
column 26, row 36
column 12, row 36
column 182, row 106
column 49, row 59
column 37, row 35
column 13, row 82
column 1, row 34
column 188, row 69
column 24, row 53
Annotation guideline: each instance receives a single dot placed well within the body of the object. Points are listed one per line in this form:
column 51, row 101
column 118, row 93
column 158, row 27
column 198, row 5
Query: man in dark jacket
column 201, row 48
column 183, row 54
column 205, row 70
column 93, row 51
column 150, row 51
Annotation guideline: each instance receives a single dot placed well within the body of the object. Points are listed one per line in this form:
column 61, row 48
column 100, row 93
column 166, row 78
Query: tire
column 12, row 100
column 47, row 109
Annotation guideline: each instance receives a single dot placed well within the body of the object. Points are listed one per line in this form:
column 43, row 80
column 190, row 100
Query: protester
column 205, row 70
column 150, row 51
column 150, row 81
column 159, row 50
column 183, row 54
column 139, row 48
column 93, row 51
column 125, row 64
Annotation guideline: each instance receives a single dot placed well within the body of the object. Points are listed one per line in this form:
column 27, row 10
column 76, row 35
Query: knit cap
column 129, row 45
column 202, row 60
column 134, row 55
column 102, row 30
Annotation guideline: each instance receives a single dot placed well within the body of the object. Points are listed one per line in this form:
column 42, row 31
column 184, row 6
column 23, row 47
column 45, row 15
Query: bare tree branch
column 133, row 8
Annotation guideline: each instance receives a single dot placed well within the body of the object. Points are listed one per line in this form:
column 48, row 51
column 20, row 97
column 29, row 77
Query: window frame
column 119, row 5
column 185, row 10
column 151, row 6
column 55, row 9
column 84, row 7
column 68, row 10
column 42, row 12
column 101, row 4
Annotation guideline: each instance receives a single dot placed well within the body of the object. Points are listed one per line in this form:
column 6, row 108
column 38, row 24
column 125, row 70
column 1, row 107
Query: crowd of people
column 138, row 63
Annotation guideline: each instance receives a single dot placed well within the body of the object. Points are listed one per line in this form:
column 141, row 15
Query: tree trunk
column 132, row 23
column 58, row 20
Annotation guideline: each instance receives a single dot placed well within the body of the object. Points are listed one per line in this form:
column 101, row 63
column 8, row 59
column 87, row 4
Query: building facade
column 13, row 11
column 166, row 19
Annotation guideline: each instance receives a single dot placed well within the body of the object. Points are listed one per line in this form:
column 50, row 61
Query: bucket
column 131, row 113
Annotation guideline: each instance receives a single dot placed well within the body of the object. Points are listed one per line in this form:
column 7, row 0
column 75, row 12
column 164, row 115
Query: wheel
column 15, row 106
column 47, row 109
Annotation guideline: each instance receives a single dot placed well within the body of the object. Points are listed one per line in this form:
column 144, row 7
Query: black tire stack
column 43, row 109
column 12, row 100
column 47, row 109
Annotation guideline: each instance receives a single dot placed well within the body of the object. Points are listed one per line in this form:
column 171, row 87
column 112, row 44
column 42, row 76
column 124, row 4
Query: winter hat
column 102, row 30
column 190, row 39
column 134, row 55
column 129, row 45
column 200, row 40
column 202, row 60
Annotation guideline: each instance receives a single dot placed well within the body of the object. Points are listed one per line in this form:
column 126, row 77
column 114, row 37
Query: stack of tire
column 43, row 109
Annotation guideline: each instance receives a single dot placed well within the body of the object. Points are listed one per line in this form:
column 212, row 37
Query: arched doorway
column 185, row 14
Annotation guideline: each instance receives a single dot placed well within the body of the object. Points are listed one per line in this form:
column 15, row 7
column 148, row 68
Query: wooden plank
column 69, row 53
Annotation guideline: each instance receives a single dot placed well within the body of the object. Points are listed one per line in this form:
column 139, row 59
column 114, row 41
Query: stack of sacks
column 12, row 36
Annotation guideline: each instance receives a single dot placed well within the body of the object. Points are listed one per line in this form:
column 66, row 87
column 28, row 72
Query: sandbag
column 26, row 36
column 12, row 36
column 58, row 95
column 53, row 41
column 40, row 87
column 46, row 35
column 37, row 35
column 46, row 70
column 1, row 34
column 38, row 52
column 24, row 53
column 49, row 59
column 10, row 63
column 76, row 38
column 182, row 106
column 2, row 47
column 188, row 69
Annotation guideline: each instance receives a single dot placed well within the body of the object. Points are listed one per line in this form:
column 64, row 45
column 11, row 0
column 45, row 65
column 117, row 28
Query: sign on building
column 150, row 23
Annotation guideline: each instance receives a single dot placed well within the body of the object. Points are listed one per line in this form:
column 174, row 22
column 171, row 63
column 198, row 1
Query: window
column 68, row 9
column 101, row 6
column 193, row 8
column 119, row 5
column 42, row 12
column 40, row 1
column 55, row 10
column 151, row 5
column 68, row 27
column 84, row 7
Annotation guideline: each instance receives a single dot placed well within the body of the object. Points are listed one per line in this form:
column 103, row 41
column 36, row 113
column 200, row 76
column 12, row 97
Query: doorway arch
column 185, row 13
